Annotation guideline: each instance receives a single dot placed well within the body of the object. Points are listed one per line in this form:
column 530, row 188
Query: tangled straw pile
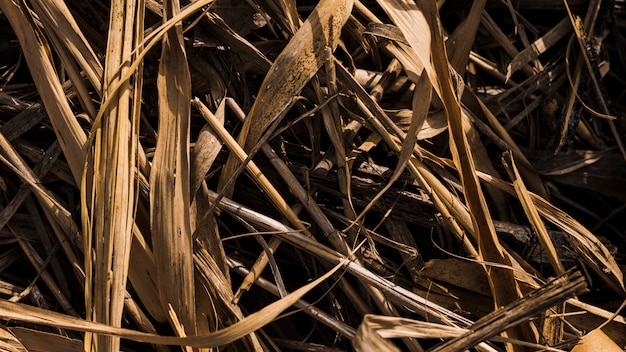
column 273, row 175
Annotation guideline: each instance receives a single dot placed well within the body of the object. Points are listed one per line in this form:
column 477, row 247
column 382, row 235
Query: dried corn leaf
column 532, row 178
column 503, row 285
column 444, row 191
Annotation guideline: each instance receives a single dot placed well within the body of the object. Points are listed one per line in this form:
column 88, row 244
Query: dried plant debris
column 334, row 175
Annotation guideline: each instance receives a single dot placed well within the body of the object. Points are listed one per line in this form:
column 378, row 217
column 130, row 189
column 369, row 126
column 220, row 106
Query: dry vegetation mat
column 334, row 175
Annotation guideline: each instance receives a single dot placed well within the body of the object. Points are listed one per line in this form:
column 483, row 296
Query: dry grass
column 297, row 175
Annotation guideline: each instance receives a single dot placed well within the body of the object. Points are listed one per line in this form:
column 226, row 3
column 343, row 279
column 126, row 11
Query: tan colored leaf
column 169, row 179
column 70, row 135
column 422, row 30
column 532, row 213
column 375, row 331
column 461, row 40
column 10, row 343
column 294, row 67
column 204, row 152
column 413, row 24
column 421, row 103
column 284, row 12
column 38, row 341
column 596, row 341
column 112, row 203
column 60, row 24
column 539, row 46
column 253, row 322
column 585, row 243
column 447, row 270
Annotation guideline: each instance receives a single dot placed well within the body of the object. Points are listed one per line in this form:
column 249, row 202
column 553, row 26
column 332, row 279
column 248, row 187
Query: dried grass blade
column 205, row 150
column 389, row 289
column 606, row 112
column 447, row 202
column 68, row 65
column 11, row 343
column 39, row 265
column 220, row 291
column 143, row 276
column 283, row 12
column 40, row 170
column 35, row 340
column 461, row 40
column 539, row 46
column 169, row 179
column 60, row 20
column 59, row 217
column 367, row 339
column 572, row 94
column 238, row 152
column 483, row 163
column 332, row 122
column 532, row 178
column 554, row 292
column 253, row 322
column 406, row 16
column 148, row 43
column 532, row 213
column 421, row 104
column 207, row 231
column 502, row 282
column 329, row 231
column 412, row 23
column 114, row 163
column 203, row 155
column 584, row 242
column 263, row 183
column 294, row 67
column 323, row 317
column 375, row 331
column 69, row 133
